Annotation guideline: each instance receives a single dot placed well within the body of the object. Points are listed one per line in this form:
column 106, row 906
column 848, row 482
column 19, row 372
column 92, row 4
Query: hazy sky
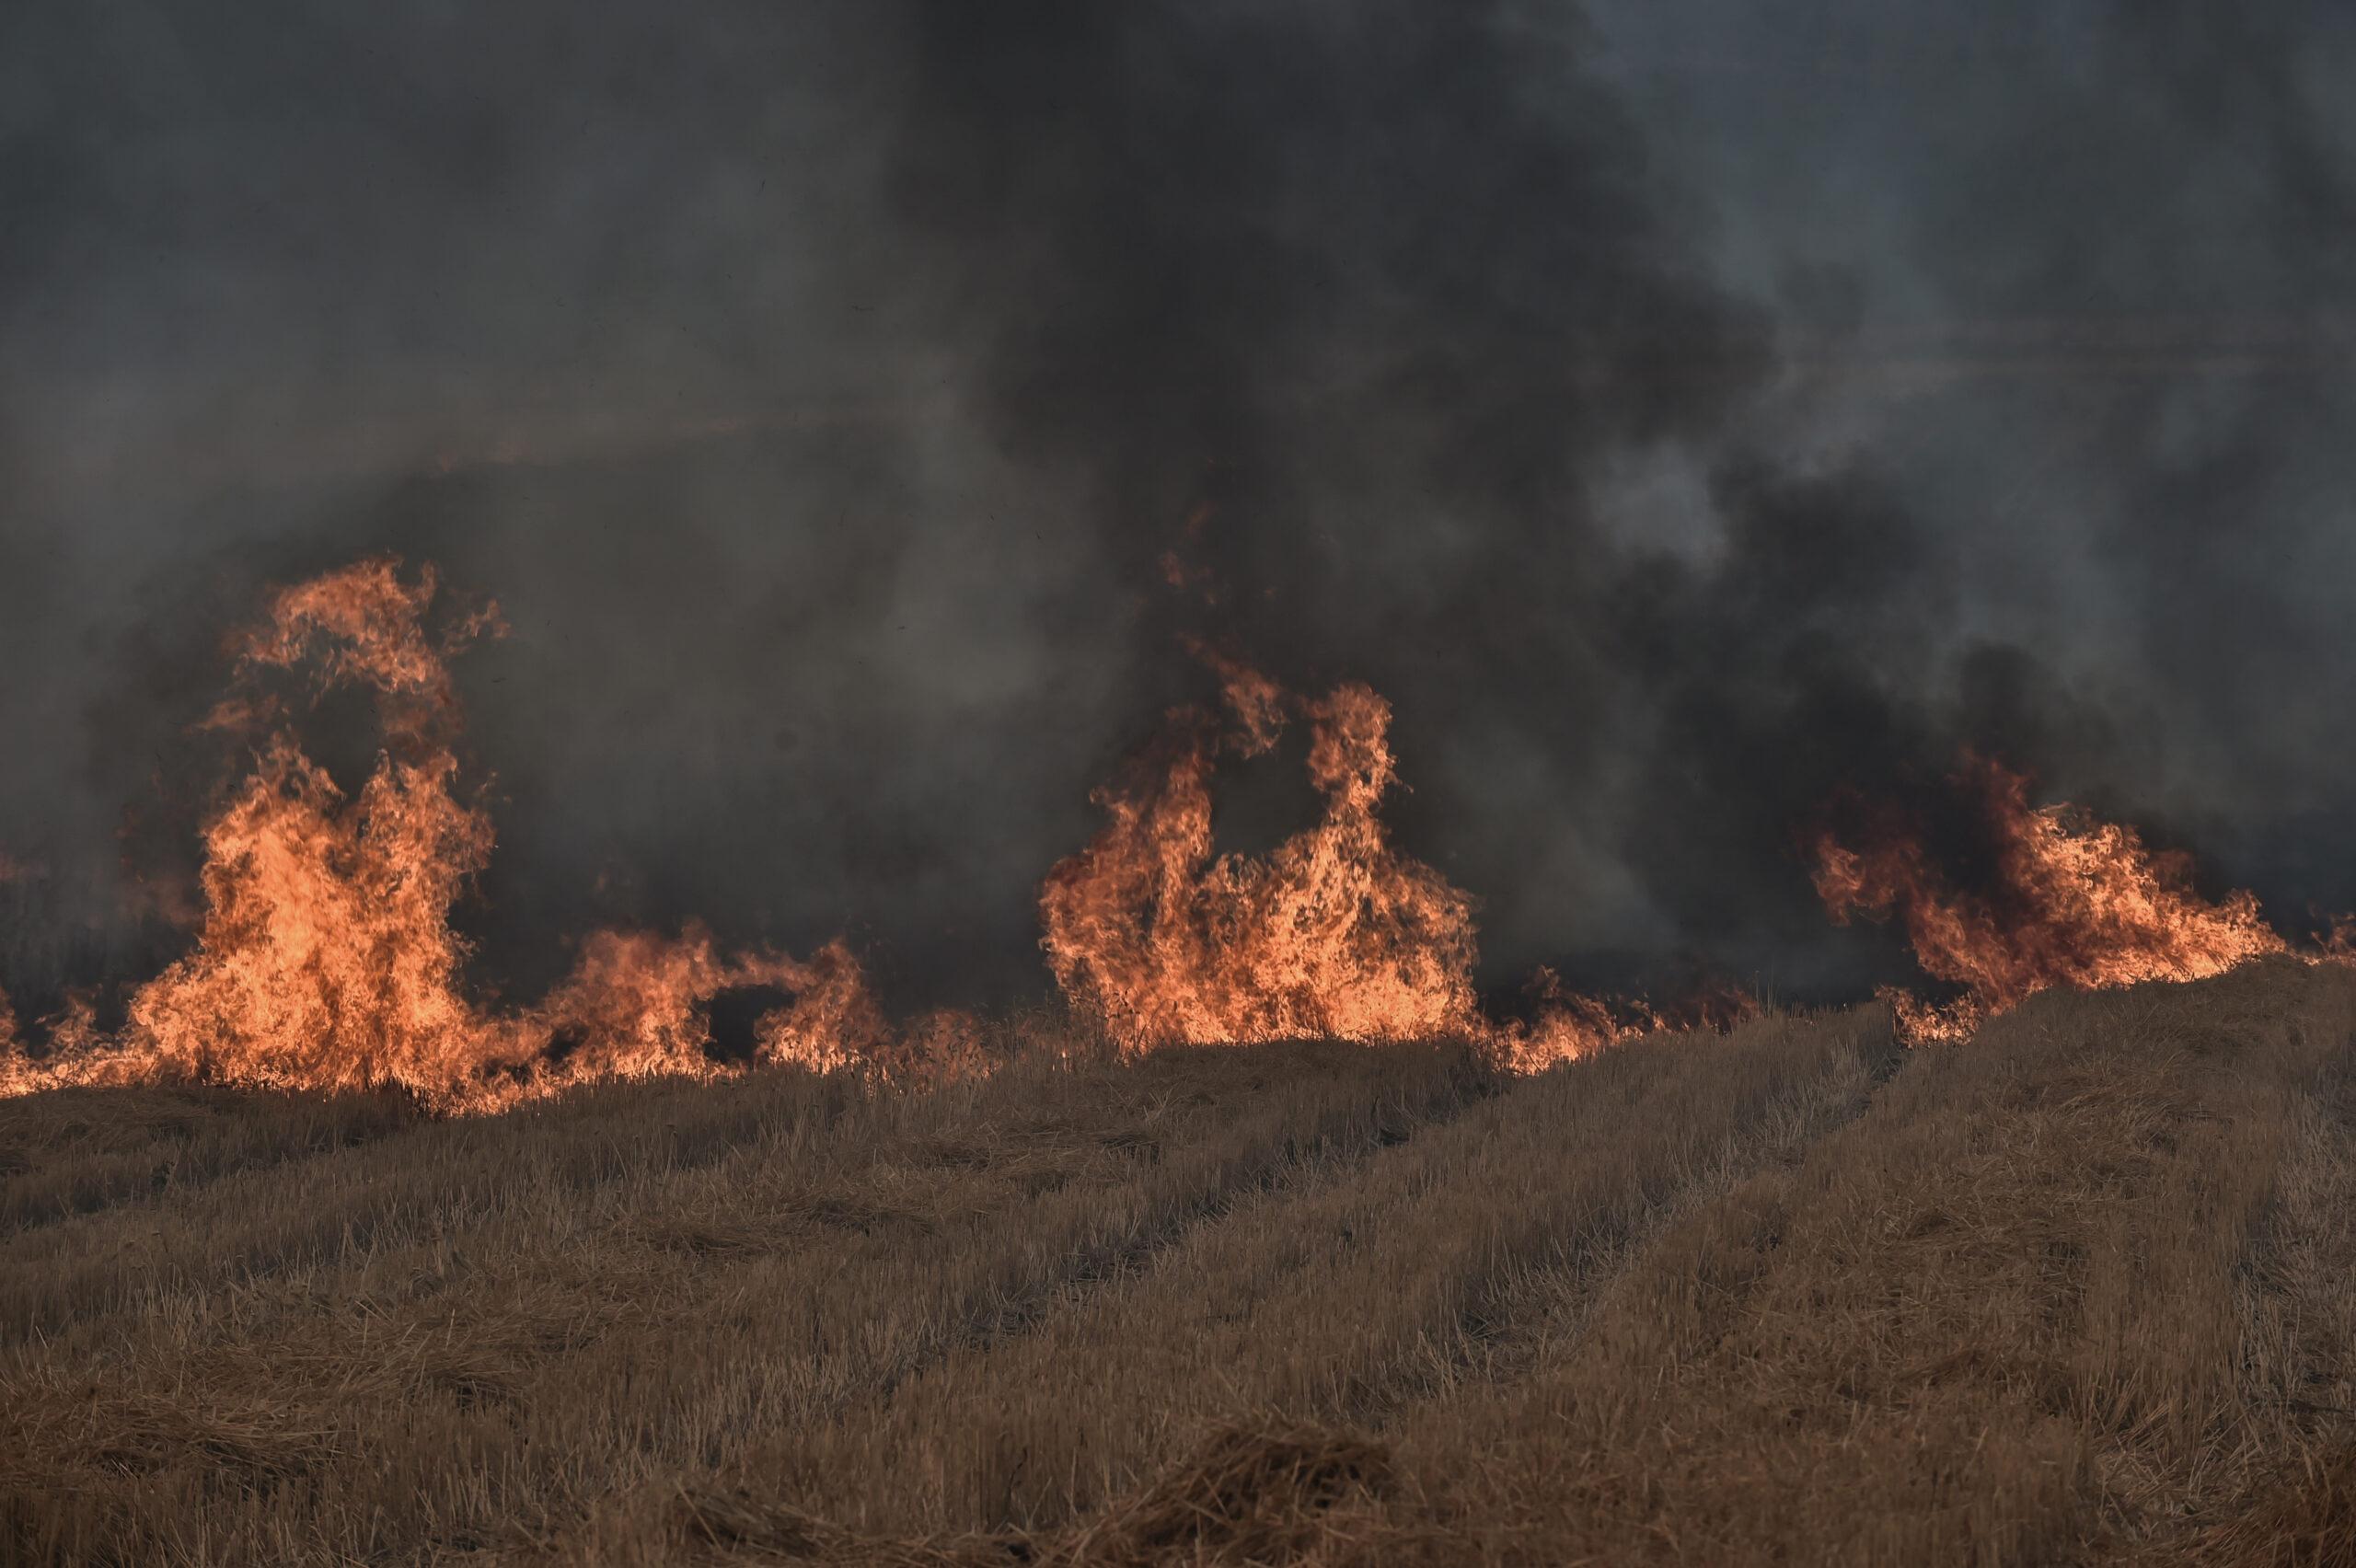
column 1680, row 410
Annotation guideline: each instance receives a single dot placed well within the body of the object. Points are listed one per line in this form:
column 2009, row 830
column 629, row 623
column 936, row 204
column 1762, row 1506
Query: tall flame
column 325, row 958
column 1334, row 934
column 2068, row 900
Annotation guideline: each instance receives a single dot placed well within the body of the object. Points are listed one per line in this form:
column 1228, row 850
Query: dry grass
column 2080, row 1291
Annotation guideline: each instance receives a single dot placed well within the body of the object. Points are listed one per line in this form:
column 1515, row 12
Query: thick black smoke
column 1681, row 413
column 2093, row 325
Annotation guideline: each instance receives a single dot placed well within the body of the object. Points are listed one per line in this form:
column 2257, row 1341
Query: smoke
column 1680, row 414
column 2097, row 290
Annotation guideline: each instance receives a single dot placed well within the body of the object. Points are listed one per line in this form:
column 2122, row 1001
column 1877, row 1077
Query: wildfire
column 326, row 958
column 2067, row 900
column 1335, row 934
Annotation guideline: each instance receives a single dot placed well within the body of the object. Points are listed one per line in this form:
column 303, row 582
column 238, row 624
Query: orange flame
column 1335, row 934
column 74, row 1035
column 2070, row 900
column 326, row 958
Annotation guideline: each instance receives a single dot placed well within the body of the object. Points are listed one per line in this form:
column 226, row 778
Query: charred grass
column 2083, row 1290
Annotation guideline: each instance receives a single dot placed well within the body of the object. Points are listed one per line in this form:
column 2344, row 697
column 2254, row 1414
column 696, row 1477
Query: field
column 2080, row 1289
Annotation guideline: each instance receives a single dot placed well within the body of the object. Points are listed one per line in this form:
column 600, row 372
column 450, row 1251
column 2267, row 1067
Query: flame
column 74, row 1035
column 2069, row 900
column 635, row 1004
column 325, row 958
column 1335, row 934
column 2337, row 942
column 833, row 1023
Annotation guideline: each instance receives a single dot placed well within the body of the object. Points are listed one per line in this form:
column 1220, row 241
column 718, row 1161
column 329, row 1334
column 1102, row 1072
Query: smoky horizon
column 873, row 420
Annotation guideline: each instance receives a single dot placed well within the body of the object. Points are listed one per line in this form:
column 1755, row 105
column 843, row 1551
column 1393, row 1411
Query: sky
column 1681, row 413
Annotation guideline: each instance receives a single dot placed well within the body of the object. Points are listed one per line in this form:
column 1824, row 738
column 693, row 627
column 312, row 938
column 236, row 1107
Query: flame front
column 2069, row 900
column 1335, row 934
column 325, row 958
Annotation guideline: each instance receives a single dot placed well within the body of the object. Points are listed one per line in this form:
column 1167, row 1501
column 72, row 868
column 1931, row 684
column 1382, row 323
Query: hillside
column 2077, row 1289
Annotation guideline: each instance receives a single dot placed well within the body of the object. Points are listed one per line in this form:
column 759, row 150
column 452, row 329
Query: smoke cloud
column 1682, row 414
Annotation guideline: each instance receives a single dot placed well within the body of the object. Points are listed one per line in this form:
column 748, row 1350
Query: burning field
column 1526, row 782
column 325, row 958
column 1268, row 1238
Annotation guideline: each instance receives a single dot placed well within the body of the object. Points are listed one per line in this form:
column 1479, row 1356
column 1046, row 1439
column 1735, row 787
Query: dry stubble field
column 2082, row 1290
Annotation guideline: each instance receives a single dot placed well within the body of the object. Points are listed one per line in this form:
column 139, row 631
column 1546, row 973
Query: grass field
column 2083, row 1289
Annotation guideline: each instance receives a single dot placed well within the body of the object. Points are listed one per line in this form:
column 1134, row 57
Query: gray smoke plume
column 1681, row 413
